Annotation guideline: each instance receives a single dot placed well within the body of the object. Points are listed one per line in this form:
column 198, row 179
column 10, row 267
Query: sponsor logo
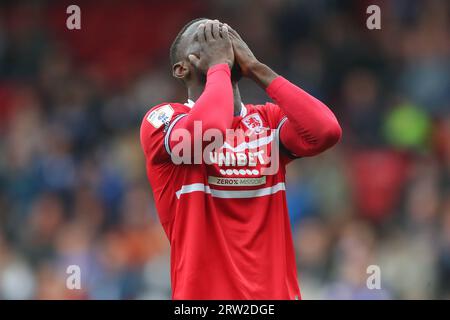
column 218, row 181
column 239, row 159
column 212, row 147
column 240, row 172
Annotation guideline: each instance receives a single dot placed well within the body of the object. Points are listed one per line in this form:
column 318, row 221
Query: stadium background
column 73, row 188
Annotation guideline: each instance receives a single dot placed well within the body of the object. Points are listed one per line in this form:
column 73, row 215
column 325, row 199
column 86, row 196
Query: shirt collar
column 191, row 103
column 243, row 110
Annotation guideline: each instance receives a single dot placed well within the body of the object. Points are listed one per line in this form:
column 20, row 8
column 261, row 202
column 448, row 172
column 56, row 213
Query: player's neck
column 194, row 92
column 237, row 100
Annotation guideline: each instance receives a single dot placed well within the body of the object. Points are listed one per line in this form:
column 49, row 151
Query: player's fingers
column 236, row 40
column 208, row 31
column 194, row 60
column 225, row 33
column 215, row 29
column 233, row 32
column 221, row 26
column 232, row 36
column 201, row 33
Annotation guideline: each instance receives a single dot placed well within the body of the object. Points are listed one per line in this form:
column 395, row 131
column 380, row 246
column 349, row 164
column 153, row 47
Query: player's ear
column 180, row 70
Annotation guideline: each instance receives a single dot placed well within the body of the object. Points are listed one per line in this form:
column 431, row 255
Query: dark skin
column 210, row 42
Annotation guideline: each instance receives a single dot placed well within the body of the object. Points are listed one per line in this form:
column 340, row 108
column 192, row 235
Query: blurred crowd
column 73, row 187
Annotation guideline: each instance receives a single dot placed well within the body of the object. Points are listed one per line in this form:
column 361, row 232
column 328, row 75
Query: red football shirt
column 227, row 221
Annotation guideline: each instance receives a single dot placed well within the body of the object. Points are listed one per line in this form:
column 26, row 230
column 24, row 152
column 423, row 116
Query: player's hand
column 215, row 46
column 242, row 53
column 247, row 62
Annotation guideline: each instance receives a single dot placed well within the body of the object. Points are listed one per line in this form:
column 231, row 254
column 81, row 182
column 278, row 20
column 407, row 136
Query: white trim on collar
column 191, row 103
column 243, row 110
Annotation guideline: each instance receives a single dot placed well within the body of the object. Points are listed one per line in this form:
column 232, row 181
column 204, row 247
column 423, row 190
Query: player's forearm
column 214, row 108
column 261, row 74
column 311, row 127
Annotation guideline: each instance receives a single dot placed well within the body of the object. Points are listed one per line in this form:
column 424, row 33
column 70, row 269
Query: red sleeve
column 154, row 128
column 310, row 127
column 214, row 108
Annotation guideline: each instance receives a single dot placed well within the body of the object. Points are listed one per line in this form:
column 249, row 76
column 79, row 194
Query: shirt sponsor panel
column 220, row 181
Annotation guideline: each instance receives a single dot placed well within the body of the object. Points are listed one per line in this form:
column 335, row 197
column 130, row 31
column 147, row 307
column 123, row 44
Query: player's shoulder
column 261, row 108
column 269, row 113
column 167, row 108
column 164, row 112
column 267, row 109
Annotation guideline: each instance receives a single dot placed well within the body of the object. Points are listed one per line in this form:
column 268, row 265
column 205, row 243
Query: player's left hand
column 249, row 66
column 242, row 53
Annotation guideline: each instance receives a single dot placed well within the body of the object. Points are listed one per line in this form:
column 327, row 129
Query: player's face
column 192, row 46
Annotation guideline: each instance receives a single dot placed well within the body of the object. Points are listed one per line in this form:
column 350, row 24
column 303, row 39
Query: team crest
column 160, row 116
column 254, row 123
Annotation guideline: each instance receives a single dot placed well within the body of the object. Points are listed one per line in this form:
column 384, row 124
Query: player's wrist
column 261, row 74
column 221, row 62
column 253, row 67
column 224, row 66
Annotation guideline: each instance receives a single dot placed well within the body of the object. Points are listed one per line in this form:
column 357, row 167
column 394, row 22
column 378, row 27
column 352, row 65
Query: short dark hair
column 174, row 47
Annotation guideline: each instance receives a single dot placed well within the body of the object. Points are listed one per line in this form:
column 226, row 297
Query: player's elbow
column 331, row 135
column 308, row 143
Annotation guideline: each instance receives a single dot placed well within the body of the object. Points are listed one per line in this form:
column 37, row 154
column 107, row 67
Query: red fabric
column 214, row 109
column 227, row 221
column 311, row 127
column 218, row 93
column 228, row 240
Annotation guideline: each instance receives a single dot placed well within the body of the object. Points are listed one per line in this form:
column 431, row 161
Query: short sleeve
column 155, row 130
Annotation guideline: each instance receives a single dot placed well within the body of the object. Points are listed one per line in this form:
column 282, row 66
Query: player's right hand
column 215, row 46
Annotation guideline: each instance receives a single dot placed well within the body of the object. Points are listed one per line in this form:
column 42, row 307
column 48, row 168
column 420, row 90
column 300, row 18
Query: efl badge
column 254, row 123
column 160, row 116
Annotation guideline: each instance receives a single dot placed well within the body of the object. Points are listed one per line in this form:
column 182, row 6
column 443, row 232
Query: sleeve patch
column 161, row 116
